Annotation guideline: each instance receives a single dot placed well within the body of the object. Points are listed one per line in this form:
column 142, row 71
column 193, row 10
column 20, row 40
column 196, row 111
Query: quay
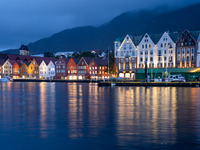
column 55, row 80
column 175, row 84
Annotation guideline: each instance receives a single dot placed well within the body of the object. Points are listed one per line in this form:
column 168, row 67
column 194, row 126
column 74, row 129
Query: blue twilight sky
column 25, row 21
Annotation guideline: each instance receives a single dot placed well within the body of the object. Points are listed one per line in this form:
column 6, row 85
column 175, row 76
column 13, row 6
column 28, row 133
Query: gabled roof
column 175, row 36
column 101, row 62
column 87, row 60
column 66, row 60
column 195, row 34
column 76, row 60
column 1, row 63
column 136, row 39
column 155, row 37
column 18, row 63
column 12, row 62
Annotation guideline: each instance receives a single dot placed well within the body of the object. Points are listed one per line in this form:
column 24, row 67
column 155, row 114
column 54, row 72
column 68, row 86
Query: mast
column 108, row 64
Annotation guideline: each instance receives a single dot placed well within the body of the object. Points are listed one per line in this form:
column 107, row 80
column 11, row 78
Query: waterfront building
column 71, row 68
column 60, row 68
column 98, row 68
column 186, row 50
column 83, row 70
column 46, row 69
column 7, row 67
column 1, row 70
column 23, row 69
column 33, row 69
column 125, row 56
column 16, row 70
column 198, row 52
column 167, row 50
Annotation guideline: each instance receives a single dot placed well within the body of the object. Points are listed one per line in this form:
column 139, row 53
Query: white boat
column 5, row 79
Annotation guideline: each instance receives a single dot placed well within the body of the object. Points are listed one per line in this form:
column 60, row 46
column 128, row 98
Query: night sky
column 25, row 21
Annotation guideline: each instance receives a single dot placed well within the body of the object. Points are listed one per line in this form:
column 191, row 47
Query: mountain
column 133, row 23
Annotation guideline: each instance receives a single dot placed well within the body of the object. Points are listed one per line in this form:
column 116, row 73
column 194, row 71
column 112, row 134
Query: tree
column 48, row 54
column 87, row 54
column 112, row 66
column 75, row 55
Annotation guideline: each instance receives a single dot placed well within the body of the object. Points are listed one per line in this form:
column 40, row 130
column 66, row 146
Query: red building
column 16, row 71
column 83, row 69
column 60, row 68
column 98, row 68
column 71, row 68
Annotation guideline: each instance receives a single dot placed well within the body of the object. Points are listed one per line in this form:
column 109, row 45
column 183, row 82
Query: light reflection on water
column 79, row 114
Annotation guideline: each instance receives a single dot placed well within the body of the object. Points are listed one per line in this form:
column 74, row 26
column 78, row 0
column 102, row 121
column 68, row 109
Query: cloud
column 25, row 21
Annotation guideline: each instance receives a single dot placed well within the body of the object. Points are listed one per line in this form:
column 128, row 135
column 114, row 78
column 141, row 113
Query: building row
column 18, row 66
column 167, row 50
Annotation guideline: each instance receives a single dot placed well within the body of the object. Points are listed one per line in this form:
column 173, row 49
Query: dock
column 175, row 84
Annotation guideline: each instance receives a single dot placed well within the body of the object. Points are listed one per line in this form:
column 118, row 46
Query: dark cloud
column 26, row 21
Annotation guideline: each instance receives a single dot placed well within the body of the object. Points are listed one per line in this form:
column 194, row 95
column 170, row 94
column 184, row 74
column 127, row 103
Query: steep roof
column 155, row 37
column 195, row 34
column 136, row 39
column 175, row 36
column 101, row 62
column 87, row 60
column 66, row 60
column 76, row 60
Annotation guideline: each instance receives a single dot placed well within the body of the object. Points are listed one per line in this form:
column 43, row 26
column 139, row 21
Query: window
column 183, row 50
column 122, row 59
column 189, row 43
column 149, row 45
column 179, row 58
column 165, row 58
column 183, row 59
column 181, row 44
column 126, row 59
column 187, row 58
column 142, row 45
column 133, row 53
column 141, row 53
column 165, row 51
column 192, row 50
column 146, row 52
column 99, row 67
column 188, row 51
column 141, row 59
column 130, row 47
column 116, row 53
column 124, row 46
column 159, row 53
column 121, row 53
column 192, row 58
column 151, row 58
column 95, row 67
column 178, row 51
column 151, row 52
column 60, row 62
column 159, row 59
column 146, row 59
column 161, row 45
column 185, row 43
column 82, row 63
column 165, row 45
column 145, row 45
column 116, row 44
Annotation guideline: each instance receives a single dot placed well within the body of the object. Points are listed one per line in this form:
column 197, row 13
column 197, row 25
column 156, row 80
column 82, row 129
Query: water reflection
column 119, row 117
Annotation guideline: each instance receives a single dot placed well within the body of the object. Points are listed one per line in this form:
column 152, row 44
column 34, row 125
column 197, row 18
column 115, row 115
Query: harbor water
column 45, row 115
